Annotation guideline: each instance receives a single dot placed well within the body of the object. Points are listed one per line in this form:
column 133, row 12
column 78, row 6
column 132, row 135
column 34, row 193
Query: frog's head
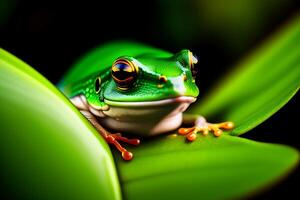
column 152, row 78
column 147, row 94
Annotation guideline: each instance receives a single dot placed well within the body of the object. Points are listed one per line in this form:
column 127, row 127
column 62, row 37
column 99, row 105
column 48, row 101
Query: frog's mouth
column 146, row 118
column 180, row 99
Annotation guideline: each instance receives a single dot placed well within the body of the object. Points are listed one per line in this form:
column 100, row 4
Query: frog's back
column 99, row 60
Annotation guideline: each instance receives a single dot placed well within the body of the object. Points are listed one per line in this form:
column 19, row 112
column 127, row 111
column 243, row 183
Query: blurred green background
column 51, row 35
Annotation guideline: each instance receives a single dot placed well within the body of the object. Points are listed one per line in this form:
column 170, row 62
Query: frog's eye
column 192, row 61
column 124, row 73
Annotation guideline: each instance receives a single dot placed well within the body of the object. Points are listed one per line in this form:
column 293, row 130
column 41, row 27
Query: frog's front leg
column 201, row 125
column 90, row 113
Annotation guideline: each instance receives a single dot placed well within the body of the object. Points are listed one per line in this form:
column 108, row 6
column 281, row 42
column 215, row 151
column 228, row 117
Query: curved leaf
column 260, row 86
column 210, row 168
column 48, row 150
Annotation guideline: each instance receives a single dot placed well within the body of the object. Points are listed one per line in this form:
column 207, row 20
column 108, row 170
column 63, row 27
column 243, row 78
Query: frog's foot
column 111, row 138
column 114, row 140
column 202, row 126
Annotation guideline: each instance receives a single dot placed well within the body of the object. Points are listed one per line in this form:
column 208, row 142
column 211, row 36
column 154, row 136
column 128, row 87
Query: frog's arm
column 87, row 96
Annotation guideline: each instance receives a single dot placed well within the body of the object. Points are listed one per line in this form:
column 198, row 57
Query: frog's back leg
column 90, row 114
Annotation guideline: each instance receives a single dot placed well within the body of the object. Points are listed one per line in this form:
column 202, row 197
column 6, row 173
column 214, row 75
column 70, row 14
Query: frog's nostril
column 163, row 79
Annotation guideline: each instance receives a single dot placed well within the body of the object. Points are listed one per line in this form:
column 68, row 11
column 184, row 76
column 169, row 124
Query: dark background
column 51, row 35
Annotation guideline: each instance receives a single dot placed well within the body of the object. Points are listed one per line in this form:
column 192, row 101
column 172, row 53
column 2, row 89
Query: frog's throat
column 180, row 99
column 146, row 118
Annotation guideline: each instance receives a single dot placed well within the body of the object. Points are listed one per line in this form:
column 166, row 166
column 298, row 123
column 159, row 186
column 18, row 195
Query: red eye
column 124, row 73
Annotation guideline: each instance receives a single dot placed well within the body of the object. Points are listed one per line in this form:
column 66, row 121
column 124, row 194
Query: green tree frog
column 134, row 88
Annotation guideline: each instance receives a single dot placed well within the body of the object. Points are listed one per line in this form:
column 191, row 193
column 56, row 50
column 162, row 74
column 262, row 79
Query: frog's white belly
column 146, row 118
column 143, row 118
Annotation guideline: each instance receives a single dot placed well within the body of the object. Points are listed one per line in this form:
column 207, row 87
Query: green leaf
column 48, row 150
column 260, row 85
column 209, row 168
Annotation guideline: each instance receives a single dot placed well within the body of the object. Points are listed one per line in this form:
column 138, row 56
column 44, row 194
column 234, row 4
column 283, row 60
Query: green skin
column 153, row 104
column 152, row 64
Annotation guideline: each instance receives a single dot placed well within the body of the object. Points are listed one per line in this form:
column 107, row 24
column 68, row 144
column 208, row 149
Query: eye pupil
column 124, row 73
